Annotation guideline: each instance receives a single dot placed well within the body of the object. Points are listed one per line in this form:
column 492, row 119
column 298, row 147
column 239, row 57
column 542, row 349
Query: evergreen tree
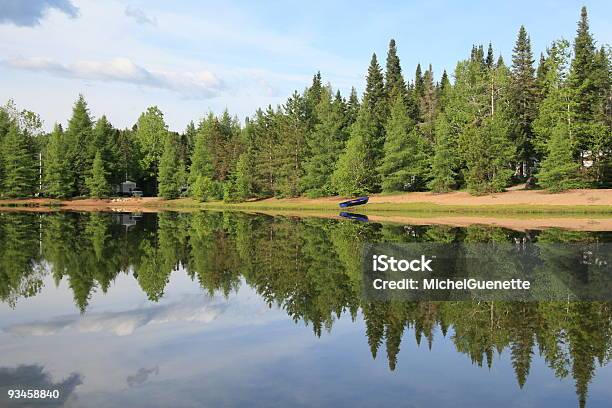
column 445, row 158
column 58, row 177
column 20, row 165
column 169, row 183
column 559, row 171
column 97, row 182
column 79, row 141
column 488, row 157
column 355, row 172
column 489, row 60
column 244, row 183
column 523, row 101
column 394, row 81
column 324, row 145
column 352, row 109
column 404, row 165
column 375, row 101
column 104, row 140
column 292, row 125
column 428, row 106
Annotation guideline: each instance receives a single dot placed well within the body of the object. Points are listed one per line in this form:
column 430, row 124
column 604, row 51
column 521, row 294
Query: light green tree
column 97, row 181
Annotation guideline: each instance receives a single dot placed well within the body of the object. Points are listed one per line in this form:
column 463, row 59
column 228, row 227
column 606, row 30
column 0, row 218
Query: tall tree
column 523, row 99
column 20, row 165
column 355, row 171
column 404, row 165
column 58, row 177
column 151, row 133
column 394, row 81
column 445, row 158
column 324, row 146
column 558, row 170
column 97, row 182
column 79, row 141
column 169, row 183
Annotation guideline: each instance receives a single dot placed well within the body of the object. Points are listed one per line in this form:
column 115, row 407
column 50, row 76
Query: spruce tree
column 79, row 141
column 445, row 158
column 489, row 61
column 523, row 100
column 375, row 101
column 394, row 81
column 352, row 108
column 558, row 171
column 244, row 182
column 169, row 185
column 20, row 165
column 355, row 172
column 404, row 165
column 58, row 177
column 97, row 180
column 104, row 140
column 324, row 146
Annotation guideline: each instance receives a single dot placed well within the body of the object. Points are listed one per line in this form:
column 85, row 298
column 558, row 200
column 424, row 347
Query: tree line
column 492, row 126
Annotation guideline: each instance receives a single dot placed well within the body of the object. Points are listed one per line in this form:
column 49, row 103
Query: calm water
column 227, row 309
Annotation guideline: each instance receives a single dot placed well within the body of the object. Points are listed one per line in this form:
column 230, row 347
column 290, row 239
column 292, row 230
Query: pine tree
column 79, row 141
column 523, row 101
column 355, row 172
column 428, row 106
column 104, row 140
column 490, row 57
column 404, row 165
column 97, row 182
column 19, row 164
column 394, row 81
column 244, row 182
column 169, row 185
column 4, row 128
column 375, row 100
column 324, row 146
column 559, row 171
column 58, row 177
column 445, row 158
column 488, row 156
column 352, row 109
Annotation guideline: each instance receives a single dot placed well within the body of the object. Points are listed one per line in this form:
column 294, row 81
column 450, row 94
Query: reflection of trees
column 312, row 269
column 20, row 271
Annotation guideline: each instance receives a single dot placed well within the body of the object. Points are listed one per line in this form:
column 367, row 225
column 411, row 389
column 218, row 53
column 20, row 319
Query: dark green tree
column 58, row 177
column 169, row 183
column 79, row 142
column 97, row 180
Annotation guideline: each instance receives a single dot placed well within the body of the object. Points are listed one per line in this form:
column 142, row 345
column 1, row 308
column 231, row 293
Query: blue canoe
column 356, row 201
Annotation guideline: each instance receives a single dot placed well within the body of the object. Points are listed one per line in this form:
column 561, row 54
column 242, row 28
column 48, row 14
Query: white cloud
column 200, row 84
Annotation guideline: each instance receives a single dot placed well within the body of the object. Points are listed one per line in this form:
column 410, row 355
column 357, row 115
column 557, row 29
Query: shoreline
column 517, row 210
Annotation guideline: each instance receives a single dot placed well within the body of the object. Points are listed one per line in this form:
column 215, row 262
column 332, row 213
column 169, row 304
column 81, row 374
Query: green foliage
column 203, row 188
column 78, row 141
column 445, row 158
column 244, row 182
column 169, row 176
column 404, row 165
column 559, row 171
column 97, row 182
column 488, row 157
column 19, row 163
column 355, row 172
column 325, row 144
column 150, row 136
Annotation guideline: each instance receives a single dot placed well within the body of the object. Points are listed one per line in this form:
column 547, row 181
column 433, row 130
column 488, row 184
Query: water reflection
column 308, row 268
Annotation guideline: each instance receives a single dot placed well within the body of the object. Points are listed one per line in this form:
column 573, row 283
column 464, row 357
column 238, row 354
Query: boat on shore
column 354, row 202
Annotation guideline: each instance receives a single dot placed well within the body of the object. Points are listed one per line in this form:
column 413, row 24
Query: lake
column 239, row 310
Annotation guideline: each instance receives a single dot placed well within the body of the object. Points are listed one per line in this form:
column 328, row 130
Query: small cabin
column 126, row 188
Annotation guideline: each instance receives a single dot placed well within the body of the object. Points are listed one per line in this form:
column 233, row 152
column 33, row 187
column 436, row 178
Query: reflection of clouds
column 33, row 377
column 141, row 376
column 192, row 308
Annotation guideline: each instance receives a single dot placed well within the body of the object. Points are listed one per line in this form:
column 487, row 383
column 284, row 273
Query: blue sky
column 194, row 56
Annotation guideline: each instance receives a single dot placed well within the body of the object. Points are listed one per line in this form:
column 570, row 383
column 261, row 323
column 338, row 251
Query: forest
column 488, row 125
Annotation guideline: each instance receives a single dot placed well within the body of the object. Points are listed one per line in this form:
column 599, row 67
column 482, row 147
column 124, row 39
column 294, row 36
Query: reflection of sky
column 190, row 350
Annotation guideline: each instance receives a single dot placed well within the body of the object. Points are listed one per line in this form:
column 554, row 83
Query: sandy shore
column 512, row 209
